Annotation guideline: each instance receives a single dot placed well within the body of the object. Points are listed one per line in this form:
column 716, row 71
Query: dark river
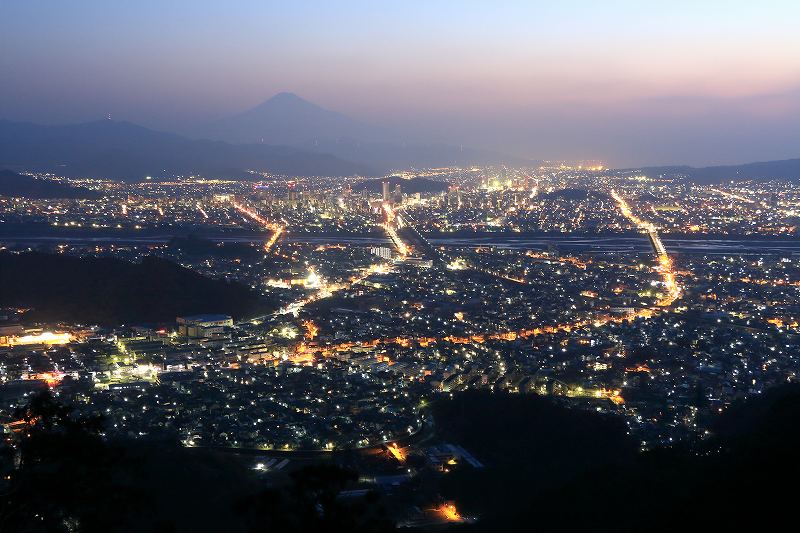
column 584, row 244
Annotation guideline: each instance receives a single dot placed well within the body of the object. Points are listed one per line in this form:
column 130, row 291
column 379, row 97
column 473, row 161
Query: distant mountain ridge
column 287, row 119
column 762, row 170
column 125, row 151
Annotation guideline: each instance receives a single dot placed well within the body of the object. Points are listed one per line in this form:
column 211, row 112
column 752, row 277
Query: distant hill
column 765, row 170
column 20, row 186
column 408, row 186
column 125, row 151
column 287, row 119
column 109, row 291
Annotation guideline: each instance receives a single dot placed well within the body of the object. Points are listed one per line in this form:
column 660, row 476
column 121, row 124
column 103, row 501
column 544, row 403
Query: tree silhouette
column 310, row 503
column 61, row 475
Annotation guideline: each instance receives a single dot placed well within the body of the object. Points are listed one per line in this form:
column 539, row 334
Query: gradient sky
column 627, row 82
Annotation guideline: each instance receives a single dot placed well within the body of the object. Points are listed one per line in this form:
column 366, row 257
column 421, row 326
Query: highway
column 276, row 229
column 664, row 268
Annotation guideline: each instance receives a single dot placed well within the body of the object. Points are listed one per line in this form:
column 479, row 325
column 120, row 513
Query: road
column 276, row 229
column 664, row 268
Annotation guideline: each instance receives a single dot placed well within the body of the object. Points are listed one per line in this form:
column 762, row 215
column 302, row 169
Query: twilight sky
column 627, row 82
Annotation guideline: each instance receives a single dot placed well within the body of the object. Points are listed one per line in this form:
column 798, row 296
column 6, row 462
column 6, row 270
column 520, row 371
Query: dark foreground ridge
column 547, row 468
column 557, row 470
column 60, row 475
column 110, row 291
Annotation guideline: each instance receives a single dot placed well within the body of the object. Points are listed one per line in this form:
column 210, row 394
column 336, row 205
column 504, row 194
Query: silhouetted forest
column 63, row 477
column 109, row 291
column 195, row 246
column 547, row 468
column 554, row 469
column 530, row 445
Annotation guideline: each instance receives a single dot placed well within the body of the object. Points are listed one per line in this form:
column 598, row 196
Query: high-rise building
column 381, row 251
column 454, row 196
column 386, row 191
